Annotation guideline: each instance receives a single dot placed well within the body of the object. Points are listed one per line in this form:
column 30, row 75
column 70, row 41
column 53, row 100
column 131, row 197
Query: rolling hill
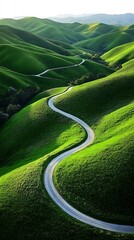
column 87, row 180
column 120, row 54
column 93, row 30
column 10, row 35
column 10, row 78
column 97, row 180
column 24, row 54
column 105, row 42
column 45, row 28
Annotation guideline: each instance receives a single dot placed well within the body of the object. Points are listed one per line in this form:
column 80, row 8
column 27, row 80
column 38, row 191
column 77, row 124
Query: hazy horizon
column 50, row 8
column 63, row 16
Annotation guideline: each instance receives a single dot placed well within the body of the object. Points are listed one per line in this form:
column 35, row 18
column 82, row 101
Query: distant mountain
column 121, row 19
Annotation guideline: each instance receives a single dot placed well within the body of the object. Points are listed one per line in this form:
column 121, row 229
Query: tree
column 3, row 117
column 11, row 91
column 15, row 99
column 12, row 109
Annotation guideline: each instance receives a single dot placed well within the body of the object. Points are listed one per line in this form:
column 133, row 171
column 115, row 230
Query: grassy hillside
column 81, row 34
column 13, row 35
column 30, row 59
column 39, row 126
column 33, row 62
column 25, row 202
column 86, row 68
column 29, row 123
column 45, row 28
column 120, row 54
column 21, row 52
column 99, row 180
column 75, row 32
column 127, row 67
column 10, row 78
column 106, row 41
column 94, row 30
column 130, row 29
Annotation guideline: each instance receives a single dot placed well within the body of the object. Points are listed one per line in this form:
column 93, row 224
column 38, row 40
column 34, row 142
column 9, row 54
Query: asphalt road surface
column 52, row 191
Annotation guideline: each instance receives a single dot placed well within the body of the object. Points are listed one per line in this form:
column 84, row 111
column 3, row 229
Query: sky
column 47, row 8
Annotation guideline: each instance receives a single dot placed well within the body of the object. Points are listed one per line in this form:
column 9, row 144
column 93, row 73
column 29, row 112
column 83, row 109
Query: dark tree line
column 88, row 78
column 96, row 58
column 14, row 100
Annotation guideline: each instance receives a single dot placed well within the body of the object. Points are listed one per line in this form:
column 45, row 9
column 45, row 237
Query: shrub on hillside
column 23, row 96
column 11, row 91
column 12, row 109
column 14, row 100
column 88, row 78
column 3, row 117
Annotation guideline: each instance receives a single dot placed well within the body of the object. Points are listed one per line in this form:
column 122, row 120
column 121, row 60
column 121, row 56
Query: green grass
column 10, row 35
column 127, row 67
column 33, row 60
column 34, row 129
column 77, row 72
column 21, row 81
column 120, row 54
column 10, row 78
column 105, row 42
column 45, row 28
column 47, row 93
column 95, row 29
column 99, row 180
column 33, row 133
column 63, row 77
column 33, row 136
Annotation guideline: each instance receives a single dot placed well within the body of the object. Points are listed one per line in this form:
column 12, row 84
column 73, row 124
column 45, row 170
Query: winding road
column 60, row 68
column 48, row 174
column 52, row 191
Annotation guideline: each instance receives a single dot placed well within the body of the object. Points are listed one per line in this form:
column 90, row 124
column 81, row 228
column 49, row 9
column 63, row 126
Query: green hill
column 95, row 29
column 88, row 67
column 120, row 54
column 106, row 41
column 128, row 66
column 130, row 29
column 34, row 127
column 23, row 199
column 13, row 35
column 9, row 78
column 87, row 179
column 20, row 121
column 30, row 59
column 45, row 28
column 24, row 53
column 96, row 37
column 98, row 180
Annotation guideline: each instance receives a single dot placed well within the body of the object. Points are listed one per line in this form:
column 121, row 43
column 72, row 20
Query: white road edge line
column 52, row 191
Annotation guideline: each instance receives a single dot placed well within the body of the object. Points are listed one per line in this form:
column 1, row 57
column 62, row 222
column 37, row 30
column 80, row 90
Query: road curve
column 52, row 191
column 60, row 68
